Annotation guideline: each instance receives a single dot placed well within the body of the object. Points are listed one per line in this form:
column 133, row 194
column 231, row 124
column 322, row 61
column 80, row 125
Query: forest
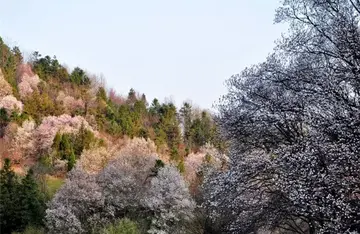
column 281, row 154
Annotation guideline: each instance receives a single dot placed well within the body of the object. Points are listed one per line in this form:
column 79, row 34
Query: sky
column 183, row 50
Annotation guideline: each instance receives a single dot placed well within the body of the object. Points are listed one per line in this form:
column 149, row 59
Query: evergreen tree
column 71, row 161
column 82, row 140
column 65, row 148
column 32, row 201
column 185, row 114
column 131, row 96
column 4, row 120
column 155, row 107
column 101, row 94
column 10, row 213
column 79, row 77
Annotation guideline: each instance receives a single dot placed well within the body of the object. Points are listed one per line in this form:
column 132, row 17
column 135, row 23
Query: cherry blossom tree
column 27, row 81
column 70, row 103
column 11, row 104
column 24, row 139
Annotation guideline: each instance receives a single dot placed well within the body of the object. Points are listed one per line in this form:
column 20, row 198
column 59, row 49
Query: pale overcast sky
column 185, row 49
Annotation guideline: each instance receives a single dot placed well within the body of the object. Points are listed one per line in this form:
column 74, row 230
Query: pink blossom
column 208, row 155
column 193, row 163
column 27, row 81
column 10, row 103
column 115, row 98
column 24, row 138
column 70, row 103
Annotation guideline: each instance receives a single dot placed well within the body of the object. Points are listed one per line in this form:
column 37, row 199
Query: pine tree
column 32, row 201
column 71, row 161
column 10, row 216
column 4, row 120
column 185, row 113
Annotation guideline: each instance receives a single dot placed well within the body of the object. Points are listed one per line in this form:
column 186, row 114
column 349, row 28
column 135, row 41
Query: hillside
column 53, row 120
column 281, row 156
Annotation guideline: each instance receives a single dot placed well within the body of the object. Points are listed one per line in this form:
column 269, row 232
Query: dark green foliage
column 70, row 146
column 160, row 122
column 186, row 119
column 39, row 105
column 101, row 94
column 167, row 127
column 143, row 132
column 9, row 208
column 155, row 107
column 79, row 77
column 125, row 120
column 56, row 142
column 131, row 96
column 158, row 165
column 160, row 138
column 47, row 68
column 82, row 140
column 65, row 148
column 128, row 119
column 201, row 130
column 4, row 120
column 10, row 59
column 32, row 201
column 21, row 202
column 19, row 118
column 71, row 161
